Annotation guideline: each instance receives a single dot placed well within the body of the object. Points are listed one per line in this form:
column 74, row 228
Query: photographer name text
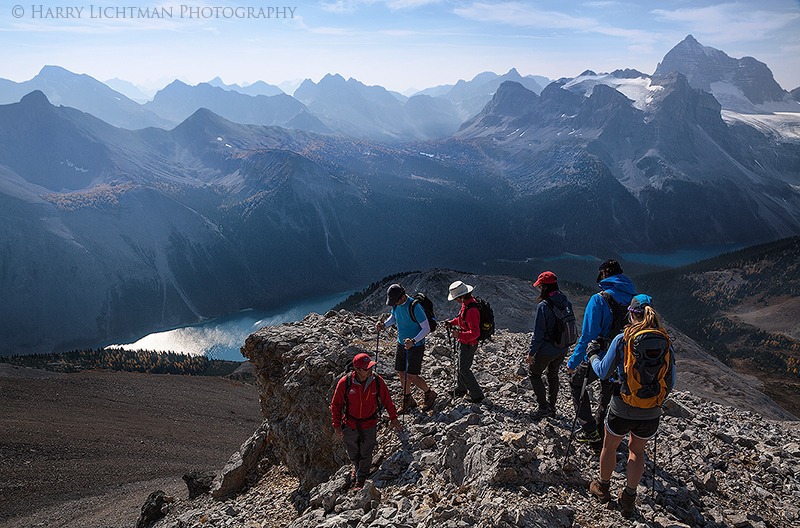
column 44, row 12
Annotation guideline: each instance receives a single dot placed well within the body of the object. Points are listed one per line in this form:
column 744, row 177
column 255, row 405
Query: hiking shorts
column 414, row 359
column 644, row 429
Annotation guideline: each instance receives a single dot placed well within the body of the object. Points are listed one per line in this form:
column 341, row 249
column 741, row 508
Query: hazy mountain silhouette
column 85, row 93
column 178, row 100
column 257, row 88
column 469, row 97
column 147, row 229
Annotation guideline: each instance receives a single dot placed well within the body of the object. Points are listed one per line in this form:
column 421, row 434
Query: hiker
column 600, row 326
column 355, row 409
column 466, row 328
column 544, row 353
column 636, row 408
column 411, row 332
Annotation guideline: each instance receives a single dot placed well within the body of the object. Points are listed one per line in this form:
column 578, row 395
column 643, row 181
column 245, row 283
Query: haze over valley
column 121, row 218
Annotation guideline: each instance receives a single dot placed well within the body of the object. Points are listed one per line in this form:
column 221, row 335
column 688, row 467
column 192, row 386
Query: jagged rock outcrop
column 154, row 508
column 241, row 465
column 488, row 465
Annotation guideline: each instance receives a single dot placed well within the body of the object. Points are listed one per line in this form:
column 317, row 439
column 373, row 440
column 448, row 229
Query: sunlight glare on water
column 222, row 338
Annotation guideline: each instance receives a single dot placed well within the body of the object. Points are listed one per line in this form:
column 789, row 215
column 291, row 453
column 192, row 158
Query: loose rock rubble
column 487, row 464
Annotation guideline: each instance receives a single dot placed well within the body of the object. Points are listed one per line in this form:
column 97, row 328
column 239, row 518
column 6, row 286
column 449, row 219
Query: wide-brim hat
column 457, row 289
column 363, row 361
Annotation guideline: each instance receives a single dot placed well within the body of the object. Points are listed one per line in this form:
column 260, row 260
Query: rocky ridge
column 483, row 465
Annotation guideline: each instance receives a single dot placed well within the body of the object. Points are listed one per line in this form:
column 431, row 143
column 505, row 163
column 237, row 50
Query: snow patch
column 784, row 126
column 68, row 163
column 639, row 90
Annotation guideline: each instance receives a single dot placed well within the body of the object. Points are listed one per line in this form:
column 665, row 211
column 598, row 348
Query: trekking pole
column 405, row 388
column 575, row 421
column 377, row 339
column 653, row 483
column 450, row 340
column 457, row 362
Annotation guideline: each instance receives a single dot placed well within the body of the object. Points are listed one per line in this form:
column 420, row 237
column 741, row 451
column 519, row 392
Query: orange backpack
column 647, row 362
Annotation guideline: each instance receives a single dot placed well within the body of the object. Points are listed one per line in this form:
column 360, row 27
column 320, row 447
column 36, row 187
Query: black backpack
column 619, row 315
column 427, row 306
column 566, row 326
column 487, row 318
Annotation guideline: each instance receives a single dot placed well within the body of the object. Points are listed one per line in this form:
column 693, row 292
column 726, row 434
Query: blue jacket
column 597, row 317
column 544, row 326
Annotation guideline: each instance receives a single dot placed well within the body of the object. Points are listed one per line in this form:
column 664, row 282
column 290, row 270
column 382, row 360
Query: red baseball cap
column 363, row 361
column 546, row 277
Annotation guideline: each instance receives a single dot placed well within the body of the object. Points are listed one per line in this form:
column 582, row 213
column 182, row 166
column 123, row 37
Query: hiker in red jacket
column 466, row 327
column 355, row 408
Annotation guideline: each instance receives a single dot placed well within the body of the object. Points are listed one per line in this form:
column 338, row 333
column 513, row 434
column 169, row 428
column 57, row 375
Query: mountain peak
column 35, row 98
column 738, row 84
column 690, row 40
column 332, row 78
column 54, row 70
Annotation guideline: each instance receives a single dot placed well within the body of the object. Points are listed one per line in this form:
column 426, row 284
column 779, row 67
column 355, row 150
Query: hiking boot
column 359, row 483
column 601, row 490
column 477, row 400
column 543, row 412
column 408, row 404
column 430, row 397
column 627, row 503
column 587, row 438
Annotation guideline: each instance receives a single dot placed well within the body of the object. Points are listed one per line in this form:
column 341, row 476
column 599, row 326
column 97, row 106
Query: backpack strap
column 616, row 308
column 378, row 404
column 550, row 305
column 411, row 307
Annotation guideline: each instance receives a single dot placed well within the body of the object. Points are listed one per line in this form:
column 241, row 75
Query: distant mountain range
column 85, row 93
column 109, row 232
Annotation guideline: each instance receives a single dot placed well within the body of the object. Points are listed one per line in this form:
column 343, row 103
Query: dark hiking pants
column 584, row 409
column 466, row 379
column 551, row 364
column 359, row 446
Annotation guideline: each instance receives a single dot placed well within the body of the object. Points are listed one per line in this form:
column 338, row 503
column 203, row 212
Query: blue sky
column 399, row 44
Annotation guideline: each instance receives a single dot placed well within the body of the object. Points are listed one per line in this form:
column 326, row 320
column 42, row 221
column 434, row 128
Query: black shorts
column 644, row 429
column 414, row 359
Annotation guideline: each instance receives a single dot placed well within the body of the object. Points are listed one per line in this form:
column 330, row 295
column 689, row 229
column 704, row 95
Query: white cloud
column 523, row 15
column 732, row 22
column 409, row 4
column 526, row 16
column 345, row 6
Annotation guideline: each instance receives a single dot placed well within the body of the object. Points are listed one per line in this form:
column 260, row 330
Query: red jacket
column 362, row 402
column 470, row 324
